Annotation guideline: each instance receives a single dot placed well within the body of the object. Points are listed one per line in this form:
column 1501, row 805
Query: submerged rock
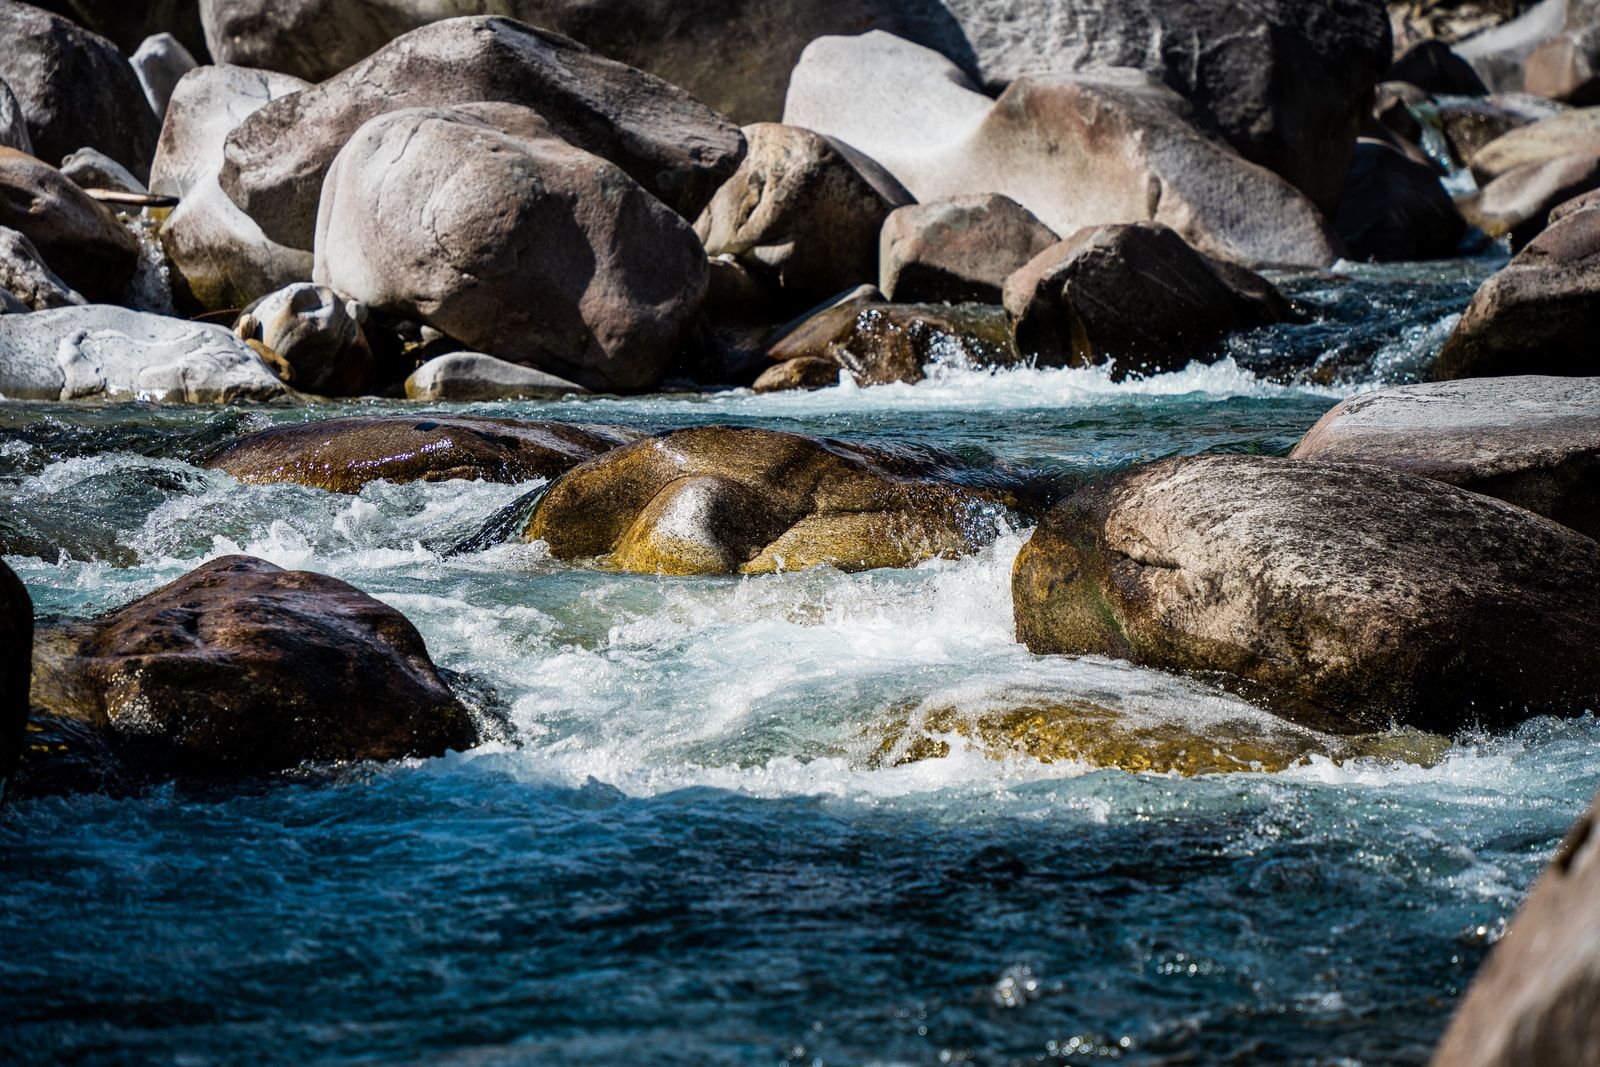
column 240, row 667
column 342, row 455
column 317, row 332
column 1136, row 297
column 81, row 240
column 737, row 500
column 475, row 376
column 16, row 665
column 1352, row 594
column 1532, row 441
column 959, row 249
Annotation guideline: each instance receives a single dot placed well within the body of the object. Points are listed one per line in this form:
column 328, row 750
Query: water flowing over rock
column 317, row 332
column 25, row 275
column 75, row 89
column 160, row 63
column 475, row 376
column 110, row 353
column 1347, row 591
column 16, row 665
column 241, row 667
column 959, row 249
column 80, row 239
column 512, row 242
column 1395, row 208
column 342, row 455
column 678, row 149
column 1136, row 297
column 735, row 500
column 1076, row 150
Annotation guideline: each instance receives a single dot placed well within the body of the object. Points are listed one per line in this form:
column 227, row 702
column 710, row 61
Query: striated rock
column 16, row 665
column 1470, row 124
column 802, row 212
column 25, row 276
column 240, row 667
column 1085, row 150
column 1532, row 441
column 81, row 240
column 1348, row 592
column 13, row 124
column 1433, row 67
column 111, row 353
column 475, row 376
column 1136, row 297
column 160, row 63
column 75, row 89
column 1568, row 133
column 317, row 333
column 884, row 343
column 1520, row 200
column 221, row 257
column 960, row 249
column 678, row 149
column 739, row 500
column 342, row 455
column 1395, row 208
column 512, row 242
column 1499, row 54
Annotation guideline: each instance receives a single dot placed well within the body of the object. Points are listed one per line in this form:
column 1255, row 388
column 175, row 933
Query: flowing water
column 683, row 847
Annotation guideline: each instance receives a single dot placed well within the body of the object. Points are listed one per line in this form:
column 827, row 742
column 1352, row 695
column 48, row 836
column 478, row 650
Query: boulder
column 13, row 124
column 1471, row 124
column 1434, row 67
column 342, row 455
column 317, row 333
column 514, row 243
column 1532, row 441
column 126, row 25
column 89, row 168
column 25, row 275
column 1499, row 54
column 221, row 259
column 459, row 376
column 1136, row 297
column 1395, row 208
column 1076, row 150
column 960, row 249
column 111, row 353
column 1568, row 133
column 802, row 212
column 160, row 63
column 740, row 500
column 240, row 667
column 1533, row 999
column 803, row 372
column 1538, row 315
column 75, row 89
column 1520, row 200
column 1392, row 110
column 1349, row 596
column 16, row 665
column 880, row 343
column 81, row 240
column 678, row 149
column 1567, row 68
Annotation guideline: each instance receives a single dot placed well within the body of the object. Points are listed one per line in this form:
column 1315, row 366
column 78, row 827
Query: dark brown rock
column 802, row 372
column 127, row 25
column 80, row 239
column 1395, row 208
column 1353, row 595
column 342, row 455
column 959, row 249
column 1520, row 200
column 883, row 343
column 16, row 664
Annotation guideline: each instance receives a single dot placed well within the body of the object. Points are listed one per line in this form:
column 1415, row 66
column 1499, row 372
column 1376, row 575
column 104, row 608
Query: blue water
column 685, row 848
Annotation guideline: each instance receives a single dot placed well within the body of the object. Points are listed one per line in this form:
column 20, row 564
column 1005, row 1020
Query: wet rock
column 1532, row 441
column 317, row 332
column 1538, row 315
column 1500, row 53
column 1520, row 200
column 957, row 250
column 160, row 63
column 678, row 149
column 342, row 455
column 882, row 343
column 474, row 376
column 75, row 89
column 1469, row 125
column 16, row 665
column 88, row 168
column 1349, row 593
column 13, row 124
column 1568, row 133
column 1395, row 208
column 25, row 276
column 555, row 258
column 802, row 212
column 1433, row 67
column 738, row 500
column 111, row 353
column 1533, row 999
column 80, row 239
column 1076, row 150
column 240, row 667
column 1136, row 297
column 221, row 257
column 802, row 372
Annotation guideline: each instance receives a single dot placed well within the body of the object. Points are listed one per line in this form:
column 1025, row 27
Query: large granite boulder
column 1564, row 134
column 737, row 500
column 1532, row 441
column 1348, row 594
column 27, row 277
column 511, row 241
column 1076, row 150
column 240, row 667
column 802, row 213
column 1136, row 297
column 160, row 64
column 678, row 149
column 16, row 666
column 1395, row 208
column 111, row 353
column 1520, row 201
column 221, row 258
column 317, row 333
column 958, row 249
column 75, row 88
column 342, row 455
column 79, row 238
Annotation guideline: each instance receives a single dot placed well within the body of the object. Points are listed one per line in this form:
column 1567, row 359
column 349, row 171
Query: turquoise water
column 683, row 849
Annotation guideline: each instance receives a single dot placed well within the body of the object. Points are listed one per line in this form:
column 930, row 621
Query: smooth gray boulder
column 160, row 64
column 1568, row 133
column 317, row 333
column 221, row 257
column 1346, row 594
column 961, row 248
column 474, row 376
column 110, row 353
column 80, row 239
column 1113, row 147
column 90, row 168
column 516, row 244
column 678, row 149
column 26, row 277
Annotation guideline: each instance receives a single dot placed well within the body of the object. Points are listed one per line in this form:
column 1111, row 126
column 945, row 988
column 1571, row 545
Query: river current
column 683, row 845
